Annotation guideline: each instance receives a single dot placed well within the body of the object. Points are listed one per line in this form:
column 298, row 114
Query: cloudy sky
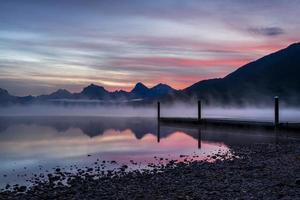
column 46, row 45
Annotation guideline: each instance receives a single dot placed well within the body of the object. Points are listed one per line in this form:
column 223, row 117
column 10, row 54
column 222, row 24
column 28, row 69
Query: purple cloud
column 267, row 31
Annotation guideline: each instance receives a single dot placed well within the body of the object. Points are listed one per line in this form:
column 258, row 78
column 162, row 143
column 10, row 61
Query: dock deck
column 230, row 122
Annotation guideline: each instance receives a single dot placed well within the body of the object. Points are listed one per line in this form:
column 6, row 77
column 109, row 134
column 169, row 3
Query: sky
column 50, row 44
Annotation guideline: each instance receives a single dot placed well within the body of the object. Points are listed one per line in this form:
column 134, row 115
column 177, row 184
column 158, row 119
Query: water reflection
column 73, row 137
column 31, row 144
column 95, row 126
column 199, row 138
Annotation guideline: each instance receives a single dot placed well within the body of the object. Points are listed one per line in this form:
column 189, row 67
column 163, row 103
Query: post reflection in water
column 158, row 131
column 199, row 134
column 199, row 137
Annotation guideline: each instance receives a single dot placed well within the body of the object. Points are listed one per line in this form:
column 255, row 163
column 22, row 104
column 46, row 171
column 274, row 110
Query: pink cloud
column 180, row 62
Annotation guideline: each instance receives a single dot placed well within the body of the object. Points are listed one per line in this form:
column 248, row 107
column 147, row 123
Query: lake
column 31, row 146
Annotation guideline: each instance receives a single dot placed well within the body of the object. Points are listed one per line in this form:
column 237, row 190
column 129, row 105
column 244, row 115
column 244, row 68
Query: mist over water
column 189, row 110
column 287, row 114
column 97, row 110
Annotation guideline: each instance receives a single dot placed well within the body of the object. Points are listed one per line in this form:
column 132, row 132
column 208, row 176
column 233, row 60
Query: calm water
column 33, row 145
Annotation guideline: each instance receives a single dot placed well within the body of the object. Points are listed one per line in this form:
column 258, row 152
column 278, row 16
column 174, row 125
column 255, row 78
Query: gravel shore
column 260, row 171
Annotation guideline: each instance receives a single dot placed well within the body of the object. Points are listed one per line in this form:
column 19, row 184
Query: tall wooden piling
column 199, row 110
column 276, row 111
column 158, row 110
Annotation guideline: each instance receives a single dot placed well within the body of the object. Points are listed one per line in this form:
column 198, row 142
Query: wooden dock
column 231, row 122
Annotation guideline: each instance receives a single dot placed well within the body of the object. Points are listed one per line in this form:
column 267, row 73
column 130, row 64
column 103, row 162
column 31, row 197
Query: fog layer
column 175, row 110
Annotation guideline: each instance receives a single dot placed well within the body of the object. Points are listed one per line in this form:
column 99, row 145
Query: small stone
column 21, row 189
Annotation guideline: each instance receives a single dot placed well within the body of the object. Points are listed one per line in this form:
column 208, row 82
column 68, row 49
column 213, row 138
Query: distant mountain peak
column 5, row 97
column 92, row 85
column 62, row 91
column 58, row 94
column 93, row 88
column 162, row 86
column 3, row 91
column 139, row 87
column 140, row 90
column 297, row 44
column 161, row 89
column 94, row 91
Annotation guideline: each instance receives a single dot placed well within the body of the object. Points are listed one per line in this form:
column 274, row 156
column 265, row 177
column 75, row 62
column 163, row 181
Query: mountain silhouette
column 94, row 92
column 140, row 91
column 156, row 92
column 273, row 75
column 161, row 89
column 59, row 94
column 258, row 81
column 5, row 97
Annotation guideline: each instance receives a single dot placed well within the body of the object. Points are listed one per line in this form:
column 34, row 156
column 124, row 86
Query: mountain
column 273, row 75
column 59, row 94
column 94, row 92
column 161, row 89
column 276, row 74
column 158, row 91
column 6, row 98
column 26, row 99
column 120, row 95
column 140, row 91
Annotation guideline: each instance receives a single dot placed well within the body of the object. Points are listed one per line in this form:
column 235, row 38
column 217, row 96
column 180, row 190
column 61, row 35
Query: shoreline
column 260, row 171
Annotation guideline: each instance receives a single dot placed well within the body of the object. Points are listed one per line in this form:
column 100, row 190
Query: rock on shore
column 260, row 171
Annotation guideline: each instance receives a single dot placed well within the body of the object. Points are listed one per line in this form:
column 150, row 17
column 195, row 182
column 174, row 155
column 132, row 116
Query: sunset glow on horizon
column 47, row 45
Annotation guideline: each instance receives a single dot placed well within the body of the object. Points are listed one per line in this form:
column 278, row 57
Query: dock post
column 158, row 110
column 199, row 110
column 276, row 111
